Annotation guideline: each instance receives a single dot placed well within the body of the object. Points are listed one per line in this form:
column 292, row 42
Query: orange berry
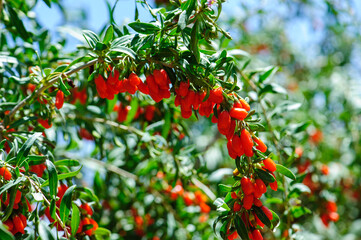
column 247, row 143
column 224, row 122
column 238, row 113
column 256, row 235
column 233, row 236
column 248, row 201
column 237, row 145
column 236, row 206
column 245, row 104
column 269, row 164
column 260, row 145
column 331, row 206
column 59, row 99
column 216, row 95
column 87, row 208
column 18, row 224
column 247, row 186
column 234, row 195
column 5, row 173
column 134, row 79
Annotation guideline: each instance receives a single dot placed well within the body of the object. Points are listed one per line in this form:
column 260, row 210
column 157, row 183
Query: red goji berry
column 269, row 164
column 247, row 143
column 59, row 99
column 260, row 145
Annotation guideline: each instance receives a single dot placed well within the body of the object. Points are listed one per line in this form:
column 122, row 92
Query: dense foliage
column 167, row 129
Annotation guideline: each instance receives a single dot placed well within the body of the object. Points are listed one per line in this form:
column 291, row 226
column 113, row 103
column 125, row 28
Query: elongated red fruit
column 236, row 206
column 260, row 145
column 260, row 188
column 231, row 153
column 231, row 129
column 134, row 79
column 59, row 99
column 257, row 202
column 247, row 143
column 143, row 88
column 216, row 95
column 237, row 145
column 183, row 88
column 224, row 122
column 245, row 104
column 269, row 164
column 248, row 201
column 238, row 113
column 274, row 185
column 18, row 224
column 256, row 235
column 267, row 212
column 5, row 173
column 259, row 222
column 160, row 77
column 247, row 186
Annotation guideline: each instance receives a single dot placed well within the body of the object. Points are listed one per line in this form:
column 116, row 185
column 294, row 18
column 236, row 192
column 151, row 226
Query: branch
column 44, row 87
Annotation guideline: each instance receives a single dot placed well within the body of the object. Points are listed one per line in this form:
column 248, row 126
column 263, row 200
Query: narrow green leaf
column 241, row 228
column 5, row 234
column 53, row 178
column 285, row 171
column 65, row 204
column 225, row 188
column 262, row 216
column 75, row 219
column 144, row 28
column 108, row 35
column 268, row 74
column 63, row 176
column 167, row 124
column 20, row 28
column 265, row 176
column 124, row 50
column 45, row 232
column 25, row 149
column 10, row 184
column 64, row 88
column 275, row 220
column 67, row 162
column 133, row 110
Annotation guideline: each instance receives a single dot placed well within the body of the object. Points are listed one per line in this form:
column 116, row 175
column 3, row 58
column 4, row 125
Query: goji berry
column 269, row 164
column 260, row 145
column 247, row 186
column 238, row 113
column 59, row 99
column 248, row 201
column 247, row 143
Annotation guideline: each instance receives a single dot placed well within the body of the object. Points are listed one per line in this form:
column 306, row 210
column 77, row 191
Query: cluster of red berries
column 16, row 224
column 330, row 213
column 141, row 222
column 80, row 95
column 156, row 85
column 122, row 111
column 86, row 220
column 86, row 213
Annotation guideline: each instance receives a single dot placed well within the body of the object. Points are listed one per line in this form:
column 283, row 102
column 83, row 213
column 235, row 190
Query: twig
column 46, row 86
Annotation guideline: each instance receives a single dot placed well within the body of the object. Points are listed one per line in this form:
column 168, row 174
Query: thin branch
column 46, row 86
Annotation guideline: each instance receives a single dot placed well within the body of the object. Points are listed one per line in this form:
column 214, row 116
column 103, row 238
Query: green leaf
column 262, row 216
column 67, row 162
column 221, row 205
column 47, row 2
column 108, row 35
column 99, row 46
column 298, row 211
column 241, row 228
column 225, row 188
column 5, row 234
column 272, row 88
column 25, row 149
column 53, row 178
column 167, row 124
column 63, row 176
column 133, row 110
column 275, row 220
column 194, row 41
column 144, row 28
column 21, row 121
column 20, row 28
column 285, row 171
column 64, row 88
column 45, row 232
column 91, row 38
column 268, row 74
column 11, row 183
column 102, row 233
column 36, row 159
column 75, row 219
column 65, row 204
column 265, row 176
column 124, row 50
